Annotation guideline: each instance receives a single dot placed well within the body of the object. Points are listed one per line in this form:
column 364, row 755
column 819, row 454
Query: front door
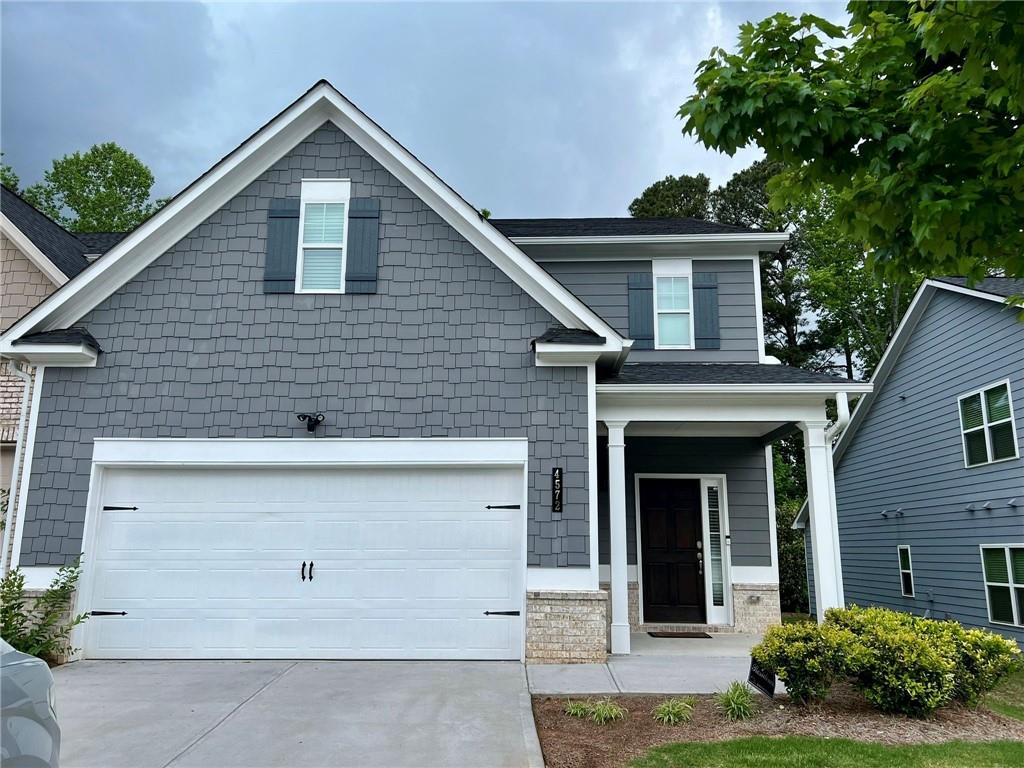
column 672, row 536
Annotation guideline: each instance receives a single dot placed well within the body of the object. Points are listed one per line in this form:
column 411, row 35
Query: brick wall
column 194, row 348
column 756, row 607
column 566, row 627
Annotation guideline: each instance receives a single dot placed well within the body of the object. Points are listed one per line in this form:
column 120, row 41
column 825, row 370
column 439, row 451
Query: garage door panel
column 407, row 561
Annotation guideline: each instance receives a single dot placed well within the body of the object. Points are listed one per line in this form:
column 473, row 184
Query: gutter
column 842, row 417
column 12, row 496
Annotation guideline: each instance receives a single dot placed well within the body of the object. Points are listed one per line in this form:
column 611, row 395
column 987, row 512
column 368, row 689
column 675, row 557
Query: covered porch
column 686, row 508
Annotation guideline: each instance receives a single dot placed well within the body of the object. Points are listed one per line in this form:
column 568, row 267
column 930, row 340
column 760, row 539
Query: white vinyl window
column 673, row 304
column 1004, row 583
column 906, row 571
column 323, row 228
column 986, row 424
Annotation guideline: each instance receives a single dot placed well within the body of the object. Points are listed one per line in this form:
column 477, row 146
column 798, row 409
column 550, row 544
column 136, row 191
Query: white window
column 1004, row 583
column 323, row 228
column 673, row 304
column 986, row 423
column 906, row 571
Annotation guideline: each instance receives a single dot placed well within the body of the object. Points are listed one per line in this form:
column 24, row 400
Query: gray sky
column 528, row 109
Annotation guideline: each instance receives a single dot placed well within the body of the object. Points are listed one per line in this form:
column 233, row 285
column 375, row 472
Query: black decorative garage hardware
column 502, row 506
column 108, row 613
column 119, row 509
column 501, row 613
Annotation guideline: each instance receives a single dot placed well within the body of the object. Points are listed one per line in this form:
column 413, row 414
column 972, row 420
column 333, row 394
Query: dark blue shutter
column 705, row 310
column 641, row 310
column 282, row 246
column 363, row 245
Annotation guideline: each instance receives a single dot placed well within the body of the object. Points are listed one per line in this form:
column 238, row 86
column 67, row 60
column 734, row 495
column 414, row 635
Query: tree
column 674, row 197
column 103, row 190
column 911, row 113
column 7, row 176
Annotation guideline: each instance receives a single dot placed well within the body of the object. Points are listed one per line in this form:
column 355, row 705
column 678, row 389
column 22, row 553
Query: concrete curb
column 534, row 755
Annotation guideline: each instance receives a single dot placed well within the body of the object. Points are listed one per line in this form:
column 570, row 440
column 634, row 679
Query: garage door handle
column 501, row 613
column 502, row 506
column 303, row 570
column 310, row 570
column 108, row 613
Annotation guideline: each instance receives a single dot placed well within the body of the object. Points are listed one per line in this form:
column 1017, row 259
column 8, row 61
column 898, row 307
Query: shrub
column 807, row 657
column 912, row 665
column 601, row 711
column 43, row 629
column 674, row 711
column 736, row 701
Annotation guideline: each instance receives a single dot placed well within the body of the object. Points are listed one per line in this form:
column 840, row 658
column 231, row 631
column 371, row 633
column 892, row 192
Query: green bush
column 44, row 629
column 601, row 711
column 807, row 657
column 736, row 702
column 674, row 711
column 912, row 665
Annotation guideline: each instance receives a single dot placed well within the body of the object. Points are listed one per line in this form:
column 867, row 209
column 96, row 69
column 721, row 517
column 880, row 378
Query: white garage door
column 398, row 563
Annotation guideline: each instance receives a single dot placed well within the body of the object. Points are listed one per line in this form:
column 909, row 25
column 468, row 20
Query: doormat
column 704, row 635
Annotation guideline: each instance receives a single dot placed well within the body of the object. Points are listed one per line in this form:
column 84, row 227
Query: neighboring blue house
column 929, row 477
column 318, row 406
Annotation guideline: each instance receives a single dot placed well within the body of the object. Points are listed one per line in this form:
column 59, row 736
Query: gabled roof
column 997, row 289
column 100, row 242
column 62, row 336
column 623, row 226
column 568, row 336
column 41, row 237
column 321, row 103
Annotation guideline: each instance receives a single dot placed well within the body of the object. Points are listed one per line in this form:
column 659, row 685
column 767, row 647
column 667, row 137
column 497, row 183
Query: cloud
column 527, row 109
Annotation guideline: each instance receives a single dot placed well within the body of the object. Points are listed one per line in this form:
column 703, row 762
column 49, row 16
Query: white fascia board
column 39, row 259
column 967, row 291
column 55, row 355
column 312, row 451
column 771, row 241
column 735, row 389
column 231, row 175
column 550, row 354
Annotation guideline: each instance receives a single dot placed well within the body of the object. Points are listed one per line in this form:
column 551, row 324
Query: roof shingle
column 61, row 336
column 997, row 286
column 62, row 248
column 716, row 373
column 609, row 227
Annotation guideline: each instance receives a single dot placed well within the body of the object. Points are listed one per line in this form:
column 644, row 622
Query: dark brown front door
column 671, row 534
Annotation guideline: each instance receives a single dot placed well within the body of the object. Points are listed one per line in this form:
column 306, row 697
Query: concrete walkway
column 656, row 665
column 256, row 714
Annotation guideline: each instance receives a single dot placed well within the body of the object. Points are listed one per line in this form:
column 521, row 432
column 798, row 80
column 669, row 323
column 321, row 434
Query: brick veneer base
column 756, row 607
column 566, row 627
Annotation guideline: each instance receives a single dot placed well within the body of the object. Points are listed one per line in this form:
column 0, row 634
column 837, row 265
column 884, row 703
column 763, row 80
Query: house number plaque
column 557, row 490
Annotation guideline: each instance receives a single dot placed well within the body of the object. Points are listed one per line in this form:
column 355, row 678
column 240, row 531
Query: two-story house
column 37, row 256
column 929, row 476
column 318, row 406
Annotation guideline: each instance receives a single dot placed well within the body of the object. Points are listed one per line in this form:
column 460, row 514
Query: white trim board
column 322, row 103
column 29, row 436
column 31, row 252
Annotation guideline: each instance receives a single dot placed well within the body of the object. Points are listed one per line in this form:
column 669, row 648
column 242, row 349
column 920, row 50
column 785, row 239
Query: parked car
column 30, row 733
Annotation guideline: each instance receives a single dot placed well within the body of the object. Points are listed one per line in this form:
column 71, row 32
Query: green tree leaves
column 674, row 197
column 911, row 115
column 103, row 190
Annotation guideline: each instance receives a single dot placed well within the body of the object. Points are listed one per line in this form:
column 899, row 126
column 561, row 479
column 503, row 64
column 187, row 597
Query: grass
column 1008, row 698
column 600, row 711
column 674, row 711
column 808, row 752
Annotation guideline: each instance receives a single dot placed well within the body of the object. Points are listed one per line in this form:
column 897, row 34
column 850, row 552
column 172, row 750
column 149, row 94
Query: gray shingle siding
column 195, row 348
column 908, row 453
column 602, row 285
column 741, row 460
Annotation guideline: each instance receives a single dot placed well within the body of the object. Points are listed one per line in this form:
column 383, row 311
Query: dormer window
column 673, row 304
column 323, row 228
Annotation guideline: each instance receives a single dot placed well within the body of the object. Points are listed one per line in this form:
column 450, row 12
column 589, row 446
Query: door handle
column 303, row 570
column 310, row 570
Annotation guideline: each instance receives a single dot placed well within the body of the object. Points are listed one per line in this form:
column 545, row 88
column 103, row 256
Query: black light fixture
column 312, row 420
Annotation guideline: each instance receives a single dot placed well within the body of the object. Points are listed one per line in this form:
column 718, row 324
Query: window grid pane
column 997, row 403
column 905, row 559
column 995, row 565
column 674, row 329
column 907, row 583
column 323, row 223
column 1001, row 438
column 1000, row 603
column 673, row 293
column 321, row 269
column 715, row 554
column 970, row 412
column 1017, row 565
column 977, row 450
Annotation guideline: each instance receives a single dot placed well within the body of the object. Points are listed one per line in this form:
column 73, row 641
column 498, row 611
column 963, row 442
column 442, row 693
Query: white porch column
column 617, row 526
column 822, row 518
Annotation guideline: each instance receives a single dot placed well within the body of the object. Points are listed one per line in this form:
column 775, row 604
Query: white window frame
column 1018, row 619
column 323, row 191
column 985, row 424
column 909, row 570
column 672, row 268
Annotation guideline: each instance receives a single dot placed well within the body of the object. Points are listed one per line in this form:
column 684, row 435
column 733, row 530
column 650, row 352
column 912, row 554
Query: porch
column 686, row 509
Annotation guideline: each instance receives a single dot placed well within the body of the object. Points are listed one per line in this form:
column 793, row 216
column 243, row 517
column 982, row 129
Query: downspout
column 19, row 448
column 842, row 417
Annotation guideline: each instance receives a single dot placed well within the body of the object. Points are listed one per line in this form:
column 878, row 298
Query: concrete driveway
column 146, row 714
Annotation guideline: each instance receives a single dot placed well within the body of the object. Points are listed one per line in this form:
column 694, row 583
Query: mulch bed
column 570, row 742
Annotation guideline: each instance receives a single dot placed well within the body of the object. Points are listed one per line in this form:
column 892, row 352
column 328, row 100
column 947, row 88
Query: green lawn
column 1008, row 698
column 806, row 752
